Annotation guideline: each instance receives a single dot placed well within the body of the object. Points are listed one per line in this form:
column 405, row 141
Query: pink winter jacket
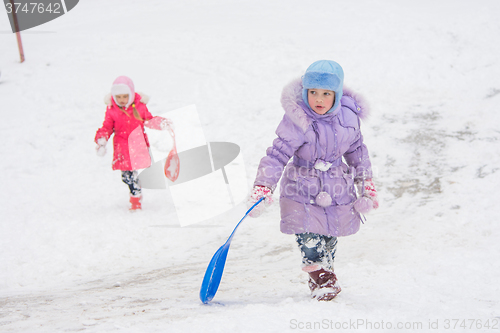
column 130, row 143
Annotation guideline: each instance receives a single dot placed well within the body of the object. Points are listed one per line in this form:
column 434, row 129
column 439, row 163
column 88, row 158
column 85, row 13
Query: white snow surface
column 72, row 258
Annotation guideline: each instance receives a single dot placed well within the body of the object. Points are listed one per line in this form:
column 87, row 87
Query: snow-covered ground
column 72, row 258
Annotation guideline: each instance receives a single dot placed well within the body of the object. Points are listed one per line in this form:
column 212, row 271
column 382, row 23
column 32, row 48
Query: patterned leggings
column 131, row 178
column 317, row 249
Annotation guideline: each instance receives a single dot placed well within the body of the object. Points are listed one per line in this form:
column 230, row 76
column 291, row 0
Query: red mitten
column 368, row 199
column 257, row 193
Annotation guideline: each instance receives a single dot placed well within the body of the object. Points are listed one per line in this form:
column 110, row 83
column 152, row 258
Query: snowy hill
column 73, row 258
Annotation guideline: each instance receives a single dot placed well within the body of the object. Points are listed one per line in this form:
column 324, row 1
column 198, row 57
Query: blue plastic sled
column 215, row 268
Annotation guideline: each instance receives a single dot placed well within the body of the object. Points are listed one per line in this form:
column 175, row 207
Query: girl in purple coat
column 320, row 133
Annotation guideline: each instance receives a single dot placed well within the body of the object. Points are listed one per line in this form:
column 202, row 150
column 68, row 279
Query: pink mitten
column 167, row 124
column 159, row 123
column 368, row 199
column 257, row 193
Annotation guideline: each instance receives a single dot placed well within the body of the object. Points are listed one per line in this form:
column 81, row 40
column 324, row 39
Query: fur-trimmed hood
column 292, row 103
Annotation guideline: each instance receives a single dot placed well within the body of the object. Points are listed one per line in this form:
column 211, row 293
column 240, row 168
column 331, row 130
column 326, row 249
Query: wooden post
column 20, row 45
column 18, row 34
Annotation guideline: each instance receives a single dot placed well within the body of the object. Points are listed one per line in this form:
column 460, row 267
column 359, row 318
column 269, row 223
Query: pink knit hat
column 121, row 86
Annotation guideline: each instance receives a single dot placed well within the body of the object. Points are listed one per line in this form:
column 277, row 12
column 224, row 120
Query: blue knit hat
column 324, row 74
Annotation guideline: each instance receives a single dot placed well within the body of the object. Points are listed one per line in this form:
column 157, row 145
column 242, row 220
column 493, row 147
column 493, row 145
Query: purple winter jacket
column 308, row 138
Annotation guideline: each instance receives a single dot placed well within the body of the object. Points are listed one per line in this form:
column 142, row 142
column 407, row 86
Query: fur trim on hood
column 292, row 96
column 364, row 108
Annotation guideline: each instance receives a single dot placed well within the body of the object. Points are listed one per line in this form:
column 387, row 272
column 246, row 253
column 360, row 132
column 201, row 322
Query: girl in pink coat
column 126, row 116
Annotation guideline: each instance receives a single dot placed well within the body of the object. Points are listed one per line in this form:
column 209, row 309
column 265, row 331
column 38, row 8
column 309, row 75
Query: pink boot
column 135, row 203
column 323, row 284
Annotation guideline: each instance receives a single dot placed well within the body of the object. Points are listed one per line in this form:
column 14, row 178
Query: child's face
column 320, row 100
column 121, row 100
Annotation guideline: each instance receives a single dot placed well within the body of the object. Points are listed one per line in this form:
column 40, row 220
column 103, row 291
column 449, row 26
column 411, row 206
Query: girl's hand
column 160, row 123
column 101, row 147
column 167, row 124
column 257, row 193
column 368, row 199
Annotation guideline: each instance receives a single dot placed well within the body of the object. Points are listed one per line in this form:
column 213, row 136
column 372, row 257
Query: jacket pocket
column 340, row 187
column 302, row 182
column 308, row 186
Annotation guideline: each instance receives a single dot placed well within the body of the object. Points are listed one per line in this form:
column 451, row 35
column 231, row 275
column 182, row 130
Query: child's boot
column 323, row 284
column 135, row 203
